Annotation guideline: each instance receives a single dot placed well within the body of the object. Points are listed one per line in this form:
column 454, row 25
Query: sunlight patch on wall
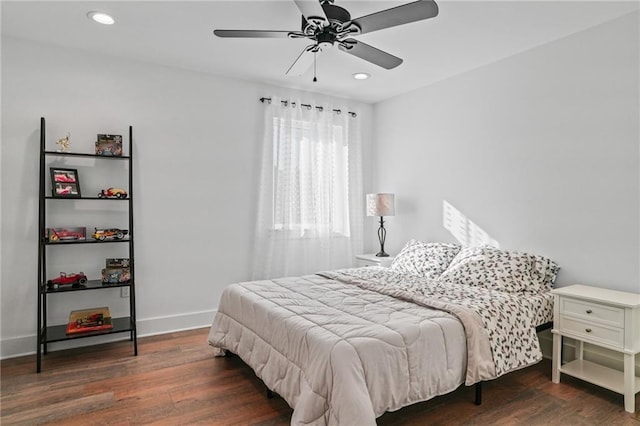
column 464, row 230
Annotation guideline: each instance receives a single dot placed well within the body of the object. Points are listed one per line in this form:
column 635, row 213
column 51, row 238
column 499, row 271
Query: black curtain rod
column 319, row 108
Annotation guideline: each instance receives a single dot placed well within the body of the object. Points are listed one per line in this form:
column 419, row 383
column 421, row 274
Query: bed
column 345, row 346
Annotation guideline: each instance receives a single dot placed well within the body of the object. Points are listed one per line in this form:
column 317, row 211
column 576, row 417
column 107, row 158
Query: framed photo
column 65, row 182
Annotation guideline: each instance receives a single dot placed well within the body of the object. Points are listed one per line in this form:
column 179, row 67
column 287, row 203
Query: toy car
column 109, row 234
column 73, row 279
column 90, row 321
column 113, row 193
column 56, row 234
column 116, row 275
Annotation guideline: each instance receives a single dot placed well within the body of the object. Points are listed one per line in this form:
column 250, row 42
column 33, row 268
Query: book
column 86, row 320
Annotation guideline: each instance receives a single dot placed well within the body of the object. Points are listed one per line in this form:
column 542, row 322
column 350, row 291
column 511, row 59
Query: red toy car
column 90, row 321
column 113, row 193
column 56, row 234
column 75, row 280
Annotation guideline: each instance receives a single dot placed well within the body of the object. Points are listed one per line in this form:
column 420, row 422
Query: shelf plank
column 87, row 241
column 598, row 375
column 82, row 154
column 58, row 333
column 89, row 285
column 49, row 197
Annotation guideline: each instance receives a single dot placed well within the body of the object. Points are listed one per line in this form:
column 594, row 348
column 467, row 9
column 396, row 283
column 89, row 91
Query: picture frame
column 65, row 183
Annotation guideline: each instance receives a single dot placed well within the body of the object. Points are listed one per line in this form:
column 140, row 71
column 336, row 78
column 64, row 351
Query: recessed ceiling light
column 361, row 76
column 101, row 18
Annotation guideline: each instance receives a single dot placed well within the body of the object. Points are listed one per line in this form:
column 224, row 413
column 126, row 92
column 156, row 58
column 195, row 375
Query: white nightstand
column 371, row 259
column 602, row 317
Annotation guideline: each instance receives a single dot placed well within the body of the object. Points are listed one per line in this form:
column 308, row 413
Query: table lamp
column 381, row 205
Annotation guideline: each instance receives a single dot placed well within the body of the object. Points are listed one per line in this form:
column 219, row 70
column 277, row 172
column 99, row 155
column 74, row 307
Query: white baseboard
column 26, row 345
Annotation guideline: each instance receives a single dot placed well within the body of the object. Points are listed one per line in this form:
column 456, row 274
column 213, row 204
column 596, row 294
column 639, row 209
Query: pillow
column 500, row 270
column 422, row 259
column 546, row 270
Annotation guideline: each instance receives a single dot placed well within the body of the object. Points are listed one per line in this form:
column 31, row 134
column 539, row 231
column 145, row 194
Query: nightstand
column 601, row 317
column 371, row 259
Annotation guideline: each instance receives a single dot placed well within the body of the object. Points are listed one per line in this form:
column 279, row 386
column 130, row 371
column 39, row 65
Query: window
column 310, row 178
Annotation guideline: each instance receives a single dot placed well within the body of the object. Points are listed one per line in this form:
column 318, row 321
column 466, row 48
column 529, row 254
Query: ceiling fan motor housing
column 336, row 15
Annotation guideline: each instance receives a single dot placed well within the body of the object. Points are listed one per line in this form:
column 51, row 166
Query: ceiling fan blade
column 404, row 14
column 303, row 62
column 312, row 11
column 370, row 53
column 251, row 33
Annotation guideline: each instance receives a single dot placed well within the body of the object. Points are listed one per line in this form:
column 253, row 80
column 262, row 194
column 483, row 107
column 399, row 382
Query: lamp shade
column 381, row 205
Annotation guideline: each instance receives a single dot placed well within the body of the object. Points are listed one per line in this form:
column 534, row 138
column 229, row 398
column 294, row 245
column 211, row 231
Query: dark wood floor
column 176, row 380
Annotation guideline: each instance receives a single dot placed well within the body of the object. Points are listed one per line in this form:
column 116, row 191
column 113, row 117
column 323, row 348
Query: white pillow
column 424, row 259
column 499, row 270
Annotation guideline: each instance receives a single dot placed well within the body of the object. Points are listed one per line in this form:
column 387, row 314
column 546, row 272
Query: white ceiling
column 464, row 36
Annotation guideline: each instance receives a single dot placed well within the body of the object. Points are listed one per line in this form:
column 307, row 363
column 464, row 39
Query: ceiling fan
column 325, row 24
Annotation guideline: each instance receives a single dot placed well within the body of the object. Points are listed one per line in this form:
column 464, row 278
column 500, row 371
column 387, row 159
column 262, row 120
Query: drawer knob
column 589, row 311
column 588, row 330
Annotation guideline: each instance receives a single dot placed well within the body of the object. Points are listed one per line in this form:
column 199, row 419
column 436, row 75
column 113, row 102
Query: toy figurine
column 64, row 143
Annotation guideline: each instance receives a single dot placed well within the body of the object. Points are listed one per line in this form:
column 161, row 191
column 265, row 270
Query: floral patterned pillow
column 500, row 270
column 424, row 259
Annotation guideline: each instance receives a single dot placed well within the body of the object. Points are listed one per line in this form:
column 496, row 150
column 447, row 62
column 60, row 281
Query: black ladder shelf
column 56, row 333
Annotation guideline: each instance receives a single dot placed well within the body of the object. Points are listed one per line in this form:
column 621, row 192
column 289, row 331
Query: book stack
column 86, row 320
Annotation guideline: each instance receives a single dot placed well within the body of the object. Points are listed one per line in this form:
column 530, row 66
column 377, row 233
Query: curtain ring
column 308, row 107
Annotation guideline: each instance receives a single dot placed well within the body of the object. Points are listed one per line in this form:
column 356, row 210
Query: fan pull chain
column 315, row 54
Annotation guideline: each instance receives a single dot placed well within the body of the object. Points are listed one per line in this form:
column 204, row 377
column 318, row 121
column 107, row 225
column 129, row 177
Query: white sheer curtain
column 310, row 212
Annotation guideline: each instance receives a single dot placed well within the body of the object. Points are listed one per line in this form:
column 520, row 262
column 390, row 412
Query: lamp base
column 382, row 236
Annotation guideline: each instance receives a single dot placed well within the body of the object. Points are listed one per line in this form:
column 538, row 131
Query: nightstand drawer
column 593, row 312
column 589, row 331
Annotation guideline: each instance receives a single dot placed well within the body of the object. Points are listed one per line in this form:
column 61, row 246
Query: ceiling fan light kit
column 361, row 75
column 101, row 17
column 325, row 25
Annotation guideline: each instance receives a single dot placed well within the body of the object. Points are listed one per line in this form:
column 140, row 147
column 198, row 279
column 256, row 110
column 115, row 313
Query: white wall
column 197, row 141
column 540, row 150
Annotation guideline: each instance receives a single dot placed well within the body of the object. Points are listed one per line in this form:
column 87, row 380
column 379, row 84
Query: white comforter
column 342, row 353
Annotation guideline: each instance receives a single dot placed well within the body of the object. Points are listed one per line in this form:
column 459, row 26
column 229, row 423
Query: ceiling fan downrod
column 315, row 57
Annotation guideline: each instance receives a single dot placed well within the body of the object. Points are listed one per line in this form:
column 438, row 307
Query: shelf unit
column 56, row 333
